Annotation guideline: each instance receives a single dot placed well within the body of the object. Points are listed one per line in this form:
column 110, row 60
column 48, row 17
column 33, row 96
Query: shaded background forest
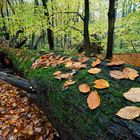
column 49, row 24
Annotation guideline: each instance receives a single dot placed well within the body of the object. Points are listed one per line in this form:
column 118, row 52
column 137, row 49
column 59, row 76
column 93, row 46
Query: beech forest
column 69, row 70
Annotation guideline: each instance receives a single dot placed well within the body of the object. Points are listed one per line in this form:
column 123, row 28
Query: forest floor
column 132, row 58
column 129, row 58
column 20, row 118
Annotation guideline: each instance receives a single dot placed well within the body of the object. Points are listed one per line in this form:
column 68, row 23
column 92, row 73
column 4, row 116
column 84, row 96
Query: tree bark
column 111, row 24
column 49, row 31
column 18, row 82
column 86, row 31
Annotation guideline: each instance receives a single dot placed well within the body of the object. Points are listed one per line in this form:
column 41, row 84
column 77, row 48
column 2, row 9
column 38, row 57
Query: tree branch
column 77, row 13
column 11, row 7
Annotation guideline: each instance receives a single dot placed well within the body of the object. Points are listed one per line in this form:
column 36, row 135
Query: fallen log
column 18, row 82
column 67, row 109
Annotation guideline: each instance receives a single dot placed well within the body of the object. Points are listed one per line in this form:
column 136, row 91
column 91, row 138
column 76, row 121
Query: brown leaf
column 57, row 73
column 94, row 70
column 93, row 100
column 84, row 88
column 129, row 112
column 5, row 132
column 83, row 59
column 38, row 129
column 43, row 58
column 117, row 74
column 30, row 131
column 101, row 84
column 95, row 63
column 115, row 63
column 64, row 76
column 130, row 73
column 68, row 83
column 78, row 65
column 133, row 95
column 68, row 64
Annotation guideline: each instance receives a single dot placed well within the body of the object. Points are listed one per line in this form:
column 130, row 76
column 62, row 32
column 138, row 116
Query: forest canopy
column 60, row 24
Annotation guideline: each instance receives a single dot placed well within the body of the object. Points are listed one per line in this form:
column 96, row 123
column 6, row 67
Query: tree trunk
column 111, row 24
column 86, row 31
column 49, row 31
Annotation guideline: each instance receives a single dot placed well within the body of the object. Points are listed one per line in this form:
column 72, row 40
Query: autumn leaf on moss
column 117, row 74
column 94, row 70
column 129, row 112
column 101, row 84
column 133, row 95
column 84, row 88
column 68, row 83
column 57, row 73
column 64, row 76
column 75, row 65
column 95, row 63
column 127, row 73
column 130, row 73
column 83, row 59
column 93, row 100
column 68, row 64
column 43, row 58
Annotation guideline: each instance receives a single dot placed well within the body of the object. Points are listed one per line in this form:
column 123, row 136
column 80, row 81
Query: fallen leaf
column 130, row 73
column 5, row 132
column 64, row 76
column 117, row 74
column 68, row 83
column 115, row 63
column 43, row 58
column 57, row 73
column 30, row 131
column 78, row 65
column 133, row 95
column 38, row 129
column 93, row 100
column 94, row 70
column 68, row 64
column 15, row 130
column 129, row 112
column 95, row 63
column 101, row 84
column 84, row 88
column 83, row 59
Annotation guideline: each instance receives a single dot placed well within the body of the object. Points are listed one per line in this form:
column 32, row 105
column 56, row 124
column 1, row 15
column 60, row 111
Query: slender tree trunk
column 86, row 31
column 111, row 24
column 49, row 31
column 123, row 8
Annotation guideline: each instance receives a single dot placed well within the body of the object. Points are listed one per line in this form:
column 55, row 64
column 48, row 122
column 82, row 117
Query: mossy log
column 68, row 110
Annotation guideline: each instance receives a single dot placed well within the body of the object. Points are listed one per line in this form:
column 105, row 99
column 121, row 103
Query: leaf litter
column 20, row 118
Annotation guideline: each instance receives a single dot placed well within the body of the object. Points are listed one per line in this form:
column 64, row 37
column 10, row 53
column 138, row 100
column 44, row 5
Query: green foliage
column 28, row 18
column 128, row 31
column 67, row 25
